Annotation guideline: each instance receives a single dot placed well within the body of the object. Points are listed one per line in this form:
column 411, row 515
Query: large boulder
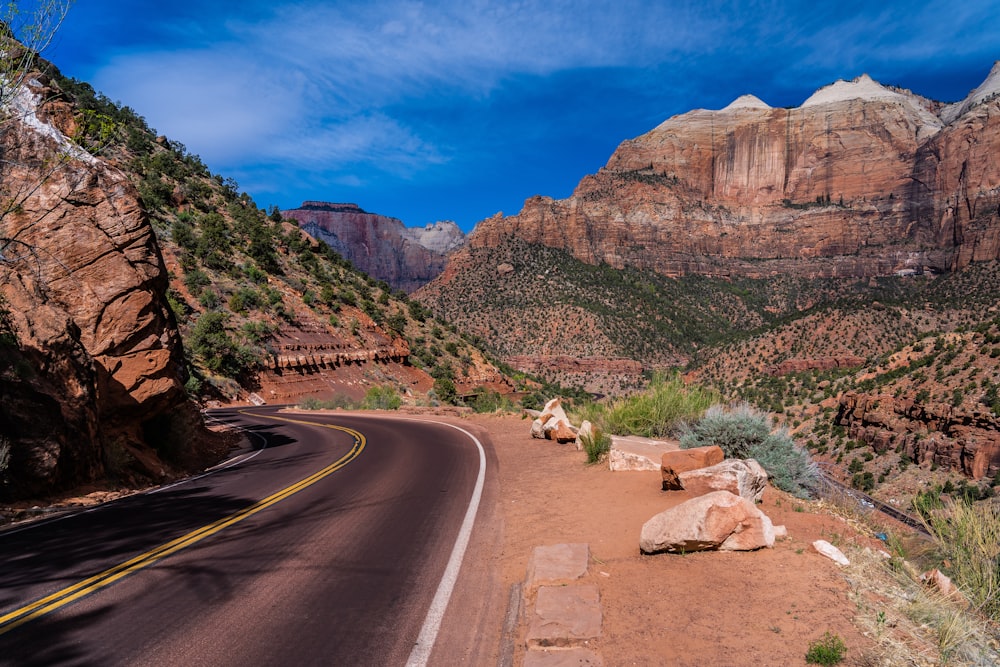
column 716, row 521
column 745, row 478
column 673, row 463
column 98, row 369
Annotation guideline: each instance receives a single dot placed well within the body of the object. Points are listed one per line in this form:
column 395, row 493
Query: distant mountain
column 759, row 213
column 861, row 180
column 382, row 247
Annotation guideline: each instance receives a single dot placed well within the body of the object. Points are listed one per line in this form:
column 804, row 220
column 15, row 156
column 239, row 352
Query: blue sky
column 456, row 110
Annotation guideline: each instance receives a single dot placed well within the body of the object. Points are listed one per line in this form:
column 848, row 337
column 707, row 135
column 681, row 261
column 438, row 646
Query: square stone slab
column 557, row 563
column 559, row 657
column 565, row 615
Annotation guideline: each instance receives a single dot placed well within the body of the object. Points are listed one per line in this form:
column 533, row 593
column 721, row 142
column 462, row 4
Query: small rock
column 831, row 552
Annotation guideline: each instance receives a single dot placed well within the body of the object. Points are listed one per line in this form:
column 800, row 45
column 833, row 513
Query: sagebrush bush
column 746, row 433
column 736, row 430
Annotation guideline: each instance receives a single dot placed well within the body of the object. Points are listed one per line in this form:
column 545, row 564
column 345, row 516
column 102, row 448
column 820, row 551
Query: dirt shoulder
column 711, row 608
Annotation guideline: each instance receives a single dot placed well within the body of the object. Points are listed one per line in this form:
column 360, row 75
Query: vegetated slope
column 263, row 307
column 897, row 391
column 541, row 309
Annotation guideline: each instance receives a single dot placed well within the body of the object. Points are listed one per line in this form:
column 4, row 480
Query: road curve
column 337, row 571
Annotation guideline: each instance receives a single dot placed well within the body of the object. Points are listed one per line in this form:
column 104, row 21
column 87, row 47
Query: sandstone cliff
column 861, row 180
column 404, row 257
column 91, row 380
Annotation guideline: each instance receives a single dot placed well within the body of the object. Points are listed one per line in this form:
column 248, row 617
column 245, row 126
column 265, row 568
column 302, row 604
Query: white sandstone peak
column 986, row 90
column 747, row 102
column 861, row 88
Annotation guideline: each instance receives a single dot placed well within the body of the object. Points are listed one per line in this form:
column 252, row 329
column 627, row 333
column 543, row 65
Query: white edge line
column 421, row 652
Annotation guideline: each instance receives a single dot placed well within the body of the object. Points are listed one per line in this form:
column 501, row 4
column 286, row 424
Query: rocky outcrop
column 861, row 180
column 716, row 521
column 97, row 370
column 790, row 366
column 967, row 441
column 382, row 247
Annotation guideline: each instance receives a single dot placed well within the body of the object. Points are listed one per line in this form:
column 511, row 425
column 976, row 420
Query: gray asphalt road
column 337, row 572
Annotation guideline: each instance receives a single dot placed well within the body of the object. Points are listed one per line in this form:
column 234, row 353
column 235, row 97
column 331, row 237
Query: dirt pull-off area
column 709, row 608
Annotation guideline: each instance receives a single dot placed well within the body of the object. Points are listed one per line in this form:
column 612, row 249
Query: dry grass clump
column 968, row 537
column 911, row 623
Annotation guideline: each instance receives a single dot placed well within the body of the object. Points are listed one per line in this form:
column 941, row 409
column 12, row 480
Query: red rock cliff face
column 98, row 369
column 382, row 247
column 859, row 181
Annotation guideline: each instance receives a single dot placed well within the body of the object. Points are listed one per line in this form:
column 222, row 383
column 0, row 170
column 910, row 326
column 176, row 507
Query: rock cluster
column 723, row 515
column 553, row 424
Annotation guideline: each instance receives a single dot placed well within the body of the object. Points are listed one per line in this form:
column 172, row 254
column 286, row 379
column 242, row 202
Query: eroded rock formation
column 97, row 370
column 952, row 438
column 861, row 180
column 404, row 257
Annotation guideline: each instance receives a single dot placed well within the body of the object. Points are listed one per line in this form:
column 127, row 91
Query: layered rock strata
column 94, row 369
column 382, row 247
column 861, row 180
column 934, row 433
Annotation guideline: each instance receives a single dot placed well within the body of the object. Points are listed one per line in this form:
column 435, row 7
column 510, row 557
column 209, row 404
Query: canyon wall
column 861, row 180
column 92, row 371
column 404, row 257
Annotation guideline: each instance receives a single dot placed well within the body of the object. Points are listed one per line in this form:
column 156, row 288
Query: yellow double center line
column 52, row 602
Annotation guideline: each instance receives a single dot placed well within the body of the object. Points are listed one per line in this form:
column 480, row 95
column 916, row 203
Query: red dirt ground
column 710, row 608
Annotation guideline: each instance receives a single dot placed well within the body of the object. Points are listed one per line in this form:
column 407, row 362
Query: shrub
column 313, row 403
column 489, row 400
column 659, row 410
column 445, row 390
column 828, row 650
column 743, row 432
column 597, row 445
column 382, row 398
column 737, row 431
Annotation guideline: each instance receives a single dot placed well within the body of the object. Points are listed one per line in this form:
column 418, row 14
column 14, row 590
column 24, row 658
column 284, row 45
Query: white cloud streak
column 327, row 85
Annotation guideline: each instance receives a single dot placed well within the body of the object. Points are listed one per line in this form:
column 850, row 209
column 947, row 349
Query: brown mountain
column 382, row 247
column 861, row 180
column 91, row 364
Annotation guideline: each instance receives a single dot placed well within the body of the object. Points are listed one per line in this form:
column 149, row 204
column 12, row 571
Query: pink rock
column 717, row 520
column 682, row 460
column 743, row 478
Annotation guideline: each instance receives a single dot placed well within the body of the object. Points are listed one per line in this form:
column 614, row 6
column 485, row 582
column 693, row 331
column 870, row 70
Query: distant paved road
column 339, row 569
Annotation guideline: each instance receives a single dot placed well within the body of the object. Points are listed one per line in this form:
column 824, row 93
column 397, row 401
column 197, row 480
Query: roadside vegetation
column 743, row 432
column 658, row 411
